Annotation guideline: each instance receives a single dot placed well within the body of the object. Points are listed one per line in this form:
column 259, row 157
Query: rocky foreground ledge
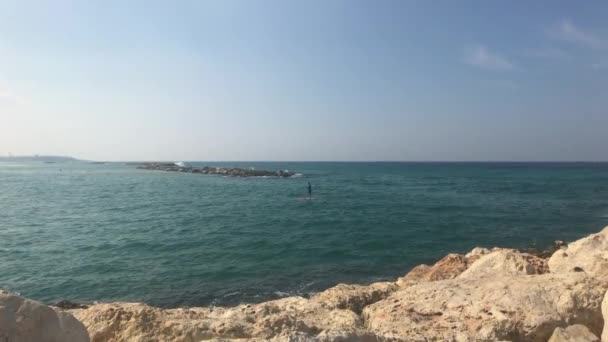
column 485, row 295
column 224, row 171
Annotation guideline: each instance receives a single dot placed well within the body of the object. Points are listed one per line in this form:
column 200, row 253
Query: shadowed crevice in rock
column 69, row 305
column 354, row 297
column 573, row 333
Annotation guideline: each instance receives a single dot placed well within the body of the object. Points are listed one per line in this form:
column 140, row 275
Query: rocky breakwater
column 485, row 295
column 224, row 171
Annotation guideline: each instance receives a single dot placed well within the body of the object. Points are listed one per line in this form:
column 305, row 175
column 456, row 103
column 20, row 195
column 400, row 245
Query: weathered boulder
column 605, row 314
column 589, row 255
column 573, row 333
column 477, row 253
column 354, row 297
column 505, row 262
column 24, row 320
column 451, row 266
column 515, row 308
column 280, row 319
column 139, row 322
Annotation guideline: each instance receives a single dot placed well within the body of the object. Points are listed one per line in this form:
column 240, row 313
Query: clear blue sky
column 305, row 80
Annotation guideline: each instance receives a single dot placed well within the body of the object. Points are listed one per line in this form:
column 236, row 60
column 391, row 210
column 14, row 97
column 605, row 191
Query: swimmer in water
column 309, row 190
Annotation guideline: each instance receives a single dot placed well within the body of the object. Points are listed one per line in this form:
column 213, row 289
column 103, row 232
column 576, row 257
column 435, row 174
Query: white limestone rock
column 24, row 320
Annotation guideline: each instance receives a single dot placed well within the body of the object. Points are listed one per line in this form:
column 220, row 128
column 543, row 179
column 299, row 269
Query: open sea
column 110, row 232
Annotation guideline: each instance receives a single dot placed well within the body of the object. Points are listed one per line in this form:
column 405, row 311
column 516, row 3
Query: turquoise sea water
column 110, row 232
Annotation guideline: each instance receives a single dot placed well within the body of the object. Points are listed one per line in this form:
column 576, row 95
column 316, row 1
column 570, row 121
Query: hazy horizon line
column 304, row 161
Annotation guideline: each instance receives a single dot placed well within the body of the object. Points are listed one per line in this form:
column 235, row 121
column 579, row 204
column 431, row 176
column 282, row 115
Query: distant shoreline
column 41, row 158
column 137, row 162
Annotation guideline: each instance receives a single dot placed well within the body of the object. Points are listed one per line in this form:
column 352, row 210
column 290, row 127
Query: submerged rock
column 548, row 252
column 68, row 305
column 24, row 320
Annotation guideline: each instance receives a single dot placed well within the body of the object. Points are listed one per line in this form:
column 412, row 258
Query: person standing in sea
column 309, row 190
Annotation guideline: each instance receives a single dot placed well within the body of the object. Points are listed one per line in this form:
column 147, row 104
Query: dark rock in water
column 67, row 305
column 229, row 172
column 558, row 244
column 546, row 253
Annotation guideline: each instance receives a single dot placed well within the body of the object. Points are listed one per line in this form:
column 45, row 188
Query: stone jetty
column 223, row 171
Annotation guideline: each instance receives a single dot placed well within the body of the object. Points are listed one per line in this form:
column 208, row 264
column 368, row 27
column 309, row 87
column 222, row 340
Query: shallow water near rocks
column 109, row 232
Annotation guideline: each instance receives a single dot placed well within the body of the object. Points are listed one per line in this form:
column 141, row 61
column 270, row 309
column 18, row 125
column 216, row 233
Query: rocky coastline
column 496, row 294
column 223, row 171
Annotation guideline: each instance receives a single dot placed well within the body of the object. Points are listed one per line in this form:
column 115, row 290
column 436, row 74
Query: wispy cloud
column 500, row 84
column 479, row 56
column 8, row 97
column 547, row 53
column 600, row 65
column 569, row 32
